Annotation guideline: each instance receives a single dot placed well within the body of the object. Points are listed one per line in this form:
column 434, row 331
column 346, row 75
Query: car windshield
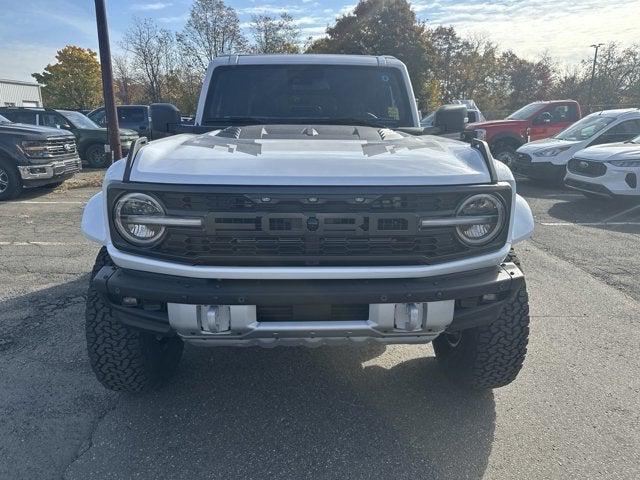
column 525, row 112
column 302, row 94
column 4, row 119
column 585, row 128
column 79, row 120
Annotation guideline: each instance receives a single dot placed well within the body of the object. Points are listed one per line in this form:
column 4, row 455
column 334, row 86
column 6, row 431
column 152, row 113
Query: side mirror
column 451, row 118
column 164, row 118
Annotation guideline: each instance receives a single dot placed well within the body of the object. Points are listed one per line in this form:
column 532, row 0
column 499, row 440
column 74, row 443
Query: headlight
column 485, row 216
column 625, row 163
column 550, row 152
column 35, row 148
column 133, row 216
column 481, row 134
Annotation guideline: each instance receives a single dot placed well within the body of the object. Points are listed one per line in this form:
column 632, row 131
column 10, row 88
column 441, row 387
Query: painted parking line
column 619, row 214
column 588, row 224
column 39, row 202
column 41, row 244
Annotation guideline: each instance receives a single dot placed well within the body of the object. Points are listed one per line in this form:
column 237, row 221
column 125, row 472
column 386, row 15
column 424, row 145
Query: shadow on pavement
column 356, row 413
column 297, row 413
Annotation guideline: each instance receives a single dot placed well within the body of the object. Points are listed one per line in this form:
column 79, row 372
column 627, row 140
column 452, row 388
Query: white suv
column 547, row 159
column 306, row 208
column 606, row 170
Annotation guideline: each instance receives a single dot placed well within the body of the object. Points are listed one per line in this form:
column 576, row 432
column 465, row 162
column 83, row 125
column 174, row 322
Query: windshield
column 300, row 94
column 585, row 128
column 4, row 119
column 79, row 120
column 525, row 112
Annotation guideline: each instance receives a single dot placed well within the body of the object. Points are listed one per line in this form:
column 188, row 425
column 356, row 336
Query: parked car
column 307, row 216
column 90, row 138
column 532, row 122
column 609, row 170
column 547, row 159
column 132, row 117
column 32, row 156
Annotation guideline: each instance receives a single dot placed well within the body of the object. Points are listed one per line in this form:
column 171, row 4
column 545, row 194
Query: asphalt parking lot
column 329, row 413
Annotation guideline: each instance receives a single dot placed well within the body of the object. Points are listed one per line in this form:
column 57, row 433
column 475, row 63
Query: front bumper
column 169, row 305
column 524, row 165
column 52, row 171
column 616, row 181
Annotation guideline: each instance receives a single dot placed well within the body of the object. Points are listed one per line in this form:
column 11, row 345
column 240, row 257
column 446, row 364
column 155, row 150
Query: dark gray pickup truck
column 31, row 156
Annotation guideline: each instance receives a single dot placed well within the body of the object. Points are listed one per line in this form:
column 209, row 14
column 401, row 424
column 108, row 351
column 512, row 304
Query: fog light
column 408, row 316
column 214, row 318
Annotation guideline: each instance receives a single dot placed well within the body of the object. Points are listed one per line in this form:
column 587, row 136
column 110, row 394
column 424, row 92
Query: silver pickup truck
column 306, row 207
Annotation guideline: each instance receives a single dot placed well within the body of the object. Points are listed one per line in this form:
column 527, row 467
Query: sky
column 32, row 30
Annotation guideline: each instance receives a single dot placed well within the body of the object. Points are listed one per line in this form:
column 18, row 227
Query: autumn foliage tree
column 73, row 81
column 379, row 27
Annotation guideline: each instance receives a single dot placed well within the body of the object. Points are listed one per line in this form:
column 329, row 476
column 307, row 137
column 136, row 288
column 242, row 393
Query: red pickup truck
column 532, row 122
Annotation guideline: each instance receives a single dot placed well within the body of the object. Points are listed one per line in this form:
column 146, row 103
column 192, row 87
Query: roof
column 19, row 82
column 321, row 59
column 618, row 112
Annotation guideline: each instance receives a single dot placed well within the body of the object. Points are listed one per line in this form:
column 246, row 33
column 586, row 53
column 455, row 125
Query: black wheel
column 124, row 359
column 95, row 155
column 10, row 181
column 505, row 152
column 489, row 356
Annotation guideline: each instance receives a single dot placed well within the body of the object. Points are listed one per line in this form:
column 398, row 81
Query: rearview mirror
column 164, row 119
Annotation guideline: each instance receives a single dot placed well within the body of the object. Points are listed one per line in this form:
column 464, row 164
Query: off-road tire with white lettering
column 122, row 358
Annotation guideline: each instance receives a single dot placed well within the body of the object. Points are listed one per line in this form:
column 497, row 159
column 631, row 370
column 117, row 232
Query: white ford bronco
column 307, row 207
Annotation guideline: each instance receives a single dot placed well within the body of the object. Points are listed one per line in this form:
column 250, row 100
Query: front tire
column 489, row 356
column 10, row 181
column 505, row 152
column 95, row 156
column 124, row 359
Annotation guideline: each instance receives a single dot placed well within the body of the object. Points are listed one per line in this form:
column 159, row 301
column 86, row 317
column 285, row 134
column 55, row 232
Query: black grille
column 312, row 313
column 523, row 159
column 322, row 227
column 586, row 167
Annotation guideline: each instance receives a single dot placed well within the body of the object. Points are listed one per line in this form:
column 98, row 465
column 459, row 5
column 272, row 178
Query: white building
column 15, row 93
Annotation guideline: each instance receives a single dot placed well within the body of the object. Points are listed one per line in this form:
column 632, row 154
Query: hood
column 497, row 124
column 612, row 151
column 545, row 143
column 27, row 129
column 309, row 155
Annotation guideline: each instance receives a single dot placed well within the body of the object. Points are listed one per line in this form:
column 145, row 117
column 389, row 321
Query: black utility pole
column 107, row 81
column 593, row 72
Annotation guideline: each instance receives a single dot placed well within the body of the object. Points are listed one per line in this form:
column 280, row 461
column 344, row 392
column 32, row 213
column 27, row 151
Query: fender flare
column 94, row 220
column 523, row 222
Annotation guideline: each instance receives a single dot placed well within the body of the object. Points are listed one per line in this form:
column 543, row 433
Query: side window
column 559, row 114
column 100, row 117
column 132, row 115
column 24, row 116
column 621, row 132
column 53, row 120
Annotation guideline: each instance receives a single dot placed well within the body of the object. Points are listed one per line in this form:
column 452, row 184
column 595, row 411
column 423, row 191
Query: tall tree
column 275, row 35
column 212, row 29
column 153, row 53
column 73, row 81
column 381, row 27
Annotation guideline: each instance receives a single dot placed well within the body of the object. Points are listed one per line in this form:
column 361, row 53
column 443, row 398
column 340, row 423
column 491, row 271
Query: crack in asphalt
column 87, row 444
